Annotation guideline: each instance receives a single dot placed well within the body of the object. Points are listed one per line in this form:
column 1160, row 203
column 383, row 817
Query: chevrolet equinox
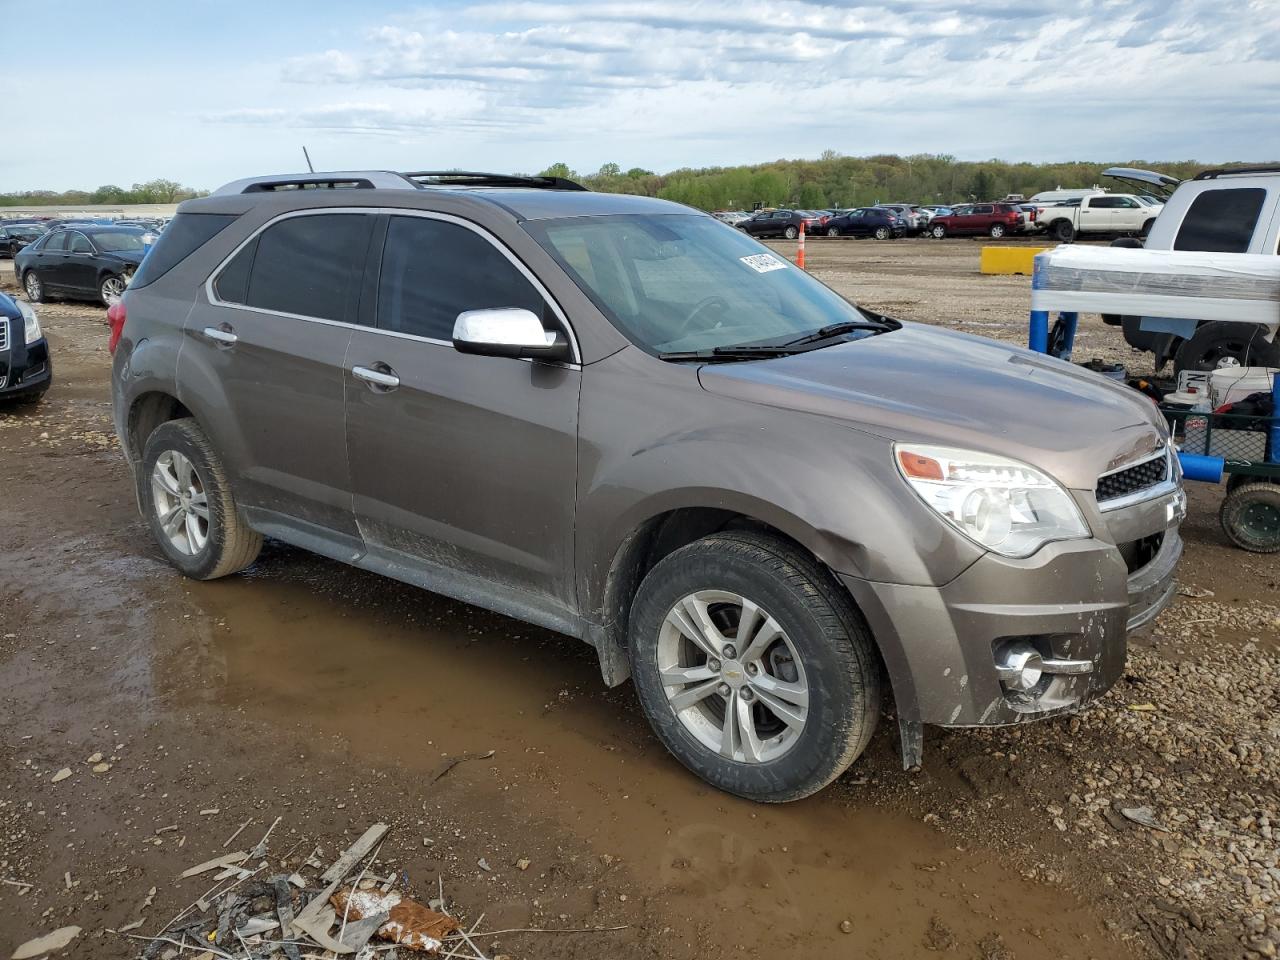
column 619, row 419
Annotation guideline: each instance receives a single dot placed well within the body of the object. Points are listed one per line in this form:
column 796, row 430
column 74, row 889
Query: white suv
column 1232, row 210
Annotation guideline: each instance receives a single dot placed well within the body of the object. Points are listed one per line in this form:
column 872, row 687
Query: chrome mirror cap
column 507, row 332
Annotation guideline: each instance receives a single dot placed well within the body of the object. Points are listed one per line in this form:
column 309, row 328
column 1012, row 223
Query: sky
column 204, row 92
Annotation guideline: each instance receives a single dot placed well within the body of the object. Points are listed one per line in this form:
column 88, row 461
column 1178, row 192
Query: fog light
column 1020, row 666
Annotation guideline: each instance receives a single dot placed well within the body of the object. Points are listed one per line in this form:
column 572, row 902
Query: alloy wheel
column 181, row 504
column 732, row 676
column 112, row 290
column 882, row 233
column 32, row 285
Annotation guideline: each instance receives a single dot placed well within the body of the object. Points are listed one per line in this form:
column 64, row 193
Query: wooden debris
column 49, row 943
column 449, row 764
column 409, row 924
column 230, row 859
column 261, row 849
column 227, row 842
column 354, row 853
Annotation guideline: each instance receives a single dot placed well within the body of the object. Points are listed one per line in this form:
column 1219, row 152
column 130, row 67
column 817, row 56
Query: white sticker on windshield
column 764, row 262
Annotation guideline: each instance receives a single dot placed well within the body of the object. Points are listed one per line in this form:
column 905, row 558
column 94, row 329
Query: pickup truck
column 1098, row 214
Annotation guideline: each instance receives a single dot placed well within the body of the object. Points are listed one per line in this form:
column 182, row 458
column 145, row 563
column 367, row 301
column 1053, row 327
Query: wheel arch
column 146, row 412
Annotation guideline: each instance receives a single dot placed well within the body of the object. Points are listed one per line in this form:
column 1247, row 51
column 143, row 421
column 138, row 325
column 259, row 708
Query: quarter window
column 1221, row 221
column 307, row 265
column 433, row 270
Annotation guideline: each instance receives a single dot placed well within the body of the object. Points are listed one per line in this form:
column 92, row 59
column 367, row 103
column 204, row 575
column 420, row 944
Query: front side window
column 433, row 270
column 307, row 265
column 1221, row 221
column 117, row 240
column 675, row 282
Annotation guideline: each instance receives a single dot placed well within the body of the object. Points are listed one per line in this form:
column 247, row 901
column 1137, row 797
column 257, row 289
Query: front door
column 463, row 467
column 265, row 358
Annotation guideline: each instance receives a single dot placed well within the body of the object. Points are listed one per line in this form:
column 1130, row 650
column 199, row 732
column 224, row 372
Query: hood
column 925, row 384
column 128, row 256
column 9, row 307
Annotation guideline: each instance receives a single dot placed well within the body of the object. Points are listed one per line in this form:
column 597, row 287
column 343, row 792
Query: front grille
column 4, row 333
column 1131, row 480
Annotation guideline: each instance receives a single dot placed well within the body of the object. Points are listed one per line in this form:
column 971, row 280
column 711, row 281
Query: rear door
column 1097, row 214
column 980, row 218
column 464, row 469
column 266, row 356
column 80, row 267
column 51, row 260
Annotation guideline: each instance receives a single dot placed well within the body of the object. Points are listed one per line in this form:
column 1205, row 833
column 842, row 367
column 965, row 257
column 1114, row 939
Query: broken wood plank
column 354, row 853
column 229, row 860
column 49, row 943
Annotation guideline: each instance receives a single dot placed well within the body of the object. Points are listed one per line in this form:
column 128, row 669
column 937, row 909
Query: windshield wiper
column 744, row 351
column 839, row 329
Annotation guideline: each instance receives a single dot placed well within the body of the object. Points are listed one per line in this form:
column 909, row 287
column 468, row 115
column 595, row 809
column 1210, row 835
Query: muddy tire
column 32, row 287
column 808, row 655
column 1219, row 343
column 188, row 504
column 1250, row 517
column 1062, row 231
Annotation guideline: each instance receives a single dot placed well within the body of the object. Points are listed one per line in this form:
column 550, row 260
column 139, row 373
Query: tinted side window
column 79, row 243
column 433, row 270
column 57, row 241
column 232, row 284
column 982, row 208
column 184, row 235
column 1221, row 221
column 310, row 265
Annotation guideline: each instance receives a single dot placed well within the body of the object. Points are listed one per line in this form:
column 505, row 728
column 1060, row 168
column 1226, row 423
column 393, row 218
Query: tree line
column 153, row 191
column 834, row 180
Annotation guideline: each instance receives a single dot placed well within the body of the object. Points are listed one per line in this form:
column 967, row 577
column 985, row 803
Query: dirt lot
column 330, row 698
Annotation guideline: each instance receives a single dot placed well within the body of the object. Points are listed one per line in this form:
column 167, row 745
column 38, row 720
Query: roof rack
column 338, row 180
column 469, row 178
column 1227, row 171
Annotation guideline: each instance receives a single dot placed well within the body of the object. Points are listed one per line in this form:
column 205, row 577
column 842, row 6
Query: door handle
column 384, row 379
column 218, row 335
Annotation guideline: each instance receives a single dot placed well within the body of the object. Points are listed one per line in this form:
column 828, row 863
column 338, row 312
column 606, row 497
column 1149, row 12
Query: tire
column 111, row 289
column 832, row 232
column 937, row 231
column 1132, row 243
column 1062, row 231
column 882, row 233
column 32, row 286
column 1222, row 344
column 1250, row 517
column 996, row 231
column 228, row 544
column 791, row 233
column 824, row 649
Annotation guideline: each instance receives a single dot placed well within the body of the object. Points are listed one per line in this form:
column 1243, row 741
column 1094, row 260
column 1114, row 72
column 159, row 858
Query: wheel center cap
column 733, row 673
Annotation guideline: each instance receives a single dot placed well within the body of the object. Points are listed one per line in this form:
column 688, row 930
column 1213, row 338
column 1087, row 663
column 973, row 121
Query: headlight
column 1004, row 505
column 30, row 325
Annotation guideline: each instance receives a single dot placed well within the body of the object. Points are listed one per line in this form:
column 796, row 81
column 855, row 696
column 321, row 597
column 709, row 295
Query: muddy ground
column 330, row 698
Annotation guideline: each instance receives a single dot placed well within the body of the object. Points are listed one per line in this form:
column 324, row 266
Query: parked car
column 994, row 219
column 81, row 262
column 1049, row 197
column 731, row 217
column 25, row 368
column 1102, row 213
column 780, row 223
column 878, row 222
column 1228, row 210
column 912, row 219
column 13, row 237
column 611, row 417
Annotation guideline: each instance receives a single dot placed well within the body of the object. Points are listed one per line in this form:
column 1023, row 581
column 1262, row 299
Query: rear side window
column 1221, row 221
column 433, row 270
column 57, row 241
column 186, row 233
column 307, row 265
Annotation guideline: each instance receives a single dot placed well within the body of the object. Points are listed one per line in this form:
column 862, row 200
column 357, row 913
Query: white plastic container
column 1229, row 384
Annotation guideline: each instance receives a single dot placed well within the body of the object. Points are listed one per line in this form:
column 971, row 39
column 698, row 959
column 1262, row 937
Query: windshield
column 678, row 282
column 116, row 240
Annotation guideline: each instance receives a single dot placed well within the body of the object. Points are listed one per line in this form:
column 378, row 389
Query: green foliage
column 835, row 180
column 153, row 191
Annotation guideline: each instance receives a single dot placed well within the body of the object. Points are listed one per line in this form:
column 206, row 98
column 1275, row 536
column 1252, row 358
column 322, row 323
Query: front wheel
column 1250, row 517
column 33, row 287
column 1221, row 344
column 189, row 506
column 753, row 666
column 937, row 231
column 791, row 233
column 111, row 290
column 996, row 231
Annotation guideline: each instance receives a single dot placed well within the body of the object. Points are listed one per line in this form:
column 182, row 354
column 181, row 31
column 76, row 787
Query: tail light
column 115, row 318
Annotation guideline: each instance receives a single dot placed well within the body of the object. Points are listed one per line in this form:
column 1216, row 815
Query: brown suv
column 622, row 420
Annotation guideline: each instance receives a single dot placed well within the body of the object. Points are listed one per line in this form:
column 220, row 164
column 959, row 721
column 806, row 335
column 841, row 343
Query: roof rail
column 339, row 180
column 1227, row 171
column 469, row 178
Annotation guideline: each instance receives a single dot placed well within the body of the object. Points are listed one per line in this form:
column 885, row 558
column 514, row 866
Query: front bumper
column 1072, row 601
column 25, row 368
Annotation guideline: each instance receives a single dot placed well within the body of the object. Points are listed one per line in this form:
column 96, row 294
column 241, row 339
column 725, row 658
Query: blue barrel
column 1274, row 457
column 1197, row 467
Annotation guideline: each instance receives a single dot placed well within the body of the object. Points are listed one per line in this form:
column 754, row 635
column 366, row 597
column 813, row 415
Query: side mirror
column 508, row 332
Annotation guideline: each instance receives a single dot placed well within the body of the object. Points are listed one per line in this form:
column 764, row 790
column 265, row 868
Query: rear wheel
column 1063, row 231
column 753, row 666
column 1221, row 344
column 33, row 287
column 189, row 506
column 937, row 231
column 882, row 233
column 791, row 233
column 996, row 231
column 832, row 232
column 1250, row 517
column 111, row 290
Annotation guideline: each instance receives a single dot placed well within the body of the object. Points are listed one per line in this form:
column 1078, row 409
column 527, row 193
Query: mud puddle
column 403, row 677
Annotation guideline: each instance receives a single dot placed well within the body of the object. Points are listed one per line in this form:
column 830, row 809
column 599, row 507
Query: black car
column 781, row 223
column 878, row 222
column 25, row 369
column 15, row 236
column 84, row 262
